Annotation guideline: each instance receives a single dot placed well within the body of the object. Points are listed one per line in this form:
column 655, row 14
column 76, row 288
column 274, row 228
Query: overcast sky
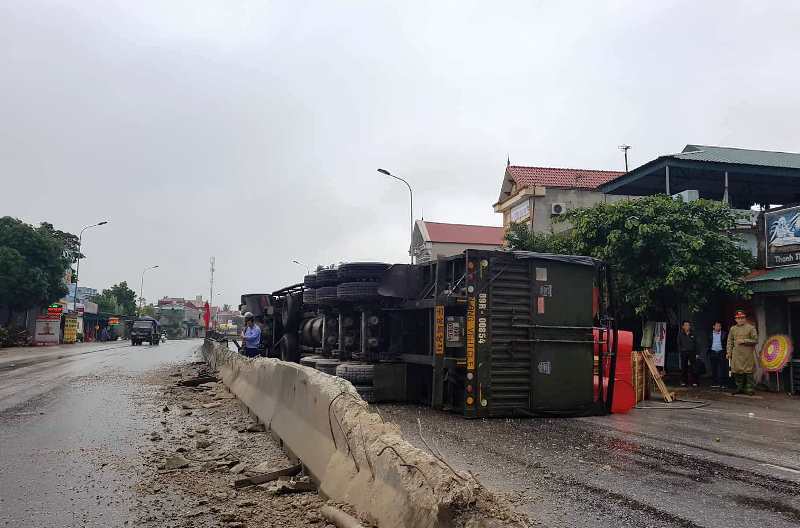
column 252, row 131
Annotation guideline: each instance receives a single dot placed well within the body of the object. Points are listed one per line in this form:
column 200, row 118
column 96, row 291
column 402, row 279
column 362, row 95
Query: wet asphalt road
column 710, row 467
column 69, row 431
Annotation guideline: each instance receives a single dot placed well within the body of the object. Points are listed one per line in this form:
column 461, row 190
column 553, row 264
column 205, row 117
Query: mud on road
column 638, row 470
column 208, row 440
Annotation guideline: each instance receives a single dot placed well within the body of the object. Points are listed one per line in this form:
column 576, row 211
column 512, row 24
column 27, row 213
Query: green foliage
column 33, row 262
column 119, row 300
column 107, row 303
column 149, row 310
column 69, row 242
column 126, row 298
column 520, row 237
column 663, row 252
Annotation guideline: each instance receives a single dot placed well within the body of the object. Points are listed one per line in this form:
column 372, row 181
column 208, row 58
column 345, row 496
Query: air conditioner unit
column 558, row 208
column 687, row 196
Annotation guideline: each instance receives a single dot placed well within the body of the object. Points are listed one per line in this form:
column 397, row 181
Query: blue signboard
column 783, row 237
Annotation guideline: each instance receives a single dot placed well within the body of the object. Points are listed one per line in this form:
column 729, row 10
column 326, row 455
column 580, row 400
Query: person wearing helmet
column 251, row 336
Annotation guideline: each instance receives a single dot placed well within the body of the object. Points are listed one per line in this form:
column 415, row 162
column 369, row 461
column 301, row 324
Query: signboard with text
column 520, row 211
column 48, row 330
column 782, row 233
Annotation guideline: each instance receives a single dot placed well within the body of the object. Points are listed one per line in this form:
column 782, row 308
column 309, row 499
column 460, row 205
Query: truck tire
column 310, row 281
column 327, row 277
column 327, row 295
column 289, row 349
column 310, row 361
column 357, row 271
column 357, row 291
column 328, row 366
column 156, row 342
column 290, row 315
column 367, row 393
column 310, row 296
column 361, row 374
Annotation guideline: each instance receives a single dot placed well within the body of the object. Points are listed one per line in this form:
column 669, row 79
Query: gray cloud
column 252, row 130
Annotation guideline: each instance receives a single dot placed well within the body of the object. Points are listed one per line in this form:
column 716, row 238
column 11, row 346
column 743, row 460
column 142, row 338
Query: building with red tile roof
column 435, row 239
column 537, row 195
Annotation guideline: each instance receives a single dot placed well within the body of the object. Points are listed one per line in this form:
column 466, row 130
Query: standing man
column 687, row 347
column 742, row 340
column 718, row 341
column 251, row 336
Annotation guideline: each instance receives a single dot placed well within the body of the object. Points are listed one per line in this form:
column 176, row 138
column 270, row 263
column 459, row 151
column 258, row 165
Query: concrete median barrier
column 350, row 452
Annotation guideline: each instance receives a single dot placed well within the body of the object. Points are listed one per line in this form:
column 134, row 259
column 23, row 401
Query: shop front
column 776, row 292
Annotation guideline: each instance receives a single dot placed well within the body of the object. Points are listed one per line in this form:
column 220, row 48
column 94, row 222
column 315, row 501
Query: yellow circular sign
column 776, row 352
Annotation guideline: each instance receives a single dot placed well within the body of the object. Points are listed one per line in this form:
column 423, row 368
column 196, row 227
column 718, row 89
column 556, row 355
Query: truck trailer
column 483, row 333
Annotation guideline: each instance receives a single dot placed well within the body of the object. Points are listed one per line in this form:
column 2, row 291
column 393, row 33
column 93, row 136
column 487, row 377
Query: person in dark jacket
column 687, row 348
column 717, row 344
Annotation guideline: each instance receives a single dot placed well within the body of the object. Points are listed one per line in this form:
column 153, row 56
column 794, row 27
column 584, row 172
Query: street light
column 411, row 209
column 308, row 270
column 78, row 267
column 141, row 288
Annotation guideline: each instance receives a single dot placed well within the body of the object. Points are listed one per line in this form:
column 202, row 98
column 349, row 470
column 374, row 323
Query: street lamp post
column 411, row 209
column 141, row 288
column 78, row 267
column 308, row 270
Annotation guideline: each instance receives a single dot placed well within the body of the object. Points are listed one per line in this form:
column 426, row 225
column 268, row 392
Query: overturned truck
column 483, row 333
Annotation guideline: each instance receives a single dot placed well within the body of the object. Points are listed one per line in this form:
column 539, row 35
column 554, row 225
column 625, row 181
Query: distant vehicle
column 145, row 329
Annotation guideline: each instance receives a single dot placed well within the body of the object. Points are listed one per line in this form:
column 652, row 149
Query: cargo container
column 483, row 333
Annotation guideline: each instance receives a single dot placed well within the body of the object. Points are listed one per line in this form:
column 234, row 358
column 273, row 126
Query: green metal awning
column 776, row 280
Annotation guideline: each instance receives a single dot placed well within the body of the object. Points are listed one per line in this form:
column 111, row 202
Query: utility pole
column 211, row 284
column 78, row 270
column 141, row 289
column 410, row 209
column 624, row 149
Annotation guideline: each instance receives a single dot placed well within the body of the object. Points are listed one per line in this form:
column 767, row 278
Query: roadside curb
column 350, row 452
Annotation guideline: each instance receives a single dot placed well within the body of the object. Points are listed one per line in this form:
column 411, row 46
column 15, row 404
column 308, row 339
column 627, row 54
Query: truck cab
column 145, row 329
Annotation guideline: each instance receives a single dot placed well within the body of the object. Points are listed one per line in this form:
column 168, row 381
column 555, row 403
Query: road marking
column 782, row 468
column 706, row 409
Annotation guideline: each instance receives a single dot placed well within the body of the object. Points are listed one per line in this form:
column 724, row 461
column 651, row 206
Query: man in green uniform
column 742, row 341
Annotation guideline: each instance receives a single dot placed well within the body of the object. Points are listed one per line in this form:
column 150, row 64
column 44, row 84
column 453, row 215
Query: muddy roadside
column 206, row 442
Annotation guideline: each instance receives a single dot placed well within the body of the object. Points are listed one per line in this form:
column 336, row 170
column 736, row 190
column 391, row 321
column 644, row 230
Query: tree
column 107, row 303
column 119, row 299
column 33, row 263
column 149, row 310
column 126, row 298
column 70, row 243
column 519, row 236
column 663, row 253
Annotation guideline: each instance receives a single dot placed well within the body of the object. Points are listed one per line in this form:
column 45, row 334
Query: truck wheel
column 310, row 296
column 357, row 271
column 288, row 348
column 327, row 295
column 327, row 277
column 156, row 342
column 356, row 373
column 328, row 366
column 310, row 281
column 367, row 393
column 291, row 312
column 357, row 291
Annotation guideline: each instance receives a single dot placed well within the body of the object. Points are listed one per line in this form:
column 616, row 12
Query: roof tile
column 464, row 234
column 553, row 177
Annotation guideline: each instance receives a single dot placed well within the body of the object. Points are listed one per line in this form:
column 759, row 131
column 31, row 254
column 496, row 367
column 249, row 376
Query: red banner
column 207, row 315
